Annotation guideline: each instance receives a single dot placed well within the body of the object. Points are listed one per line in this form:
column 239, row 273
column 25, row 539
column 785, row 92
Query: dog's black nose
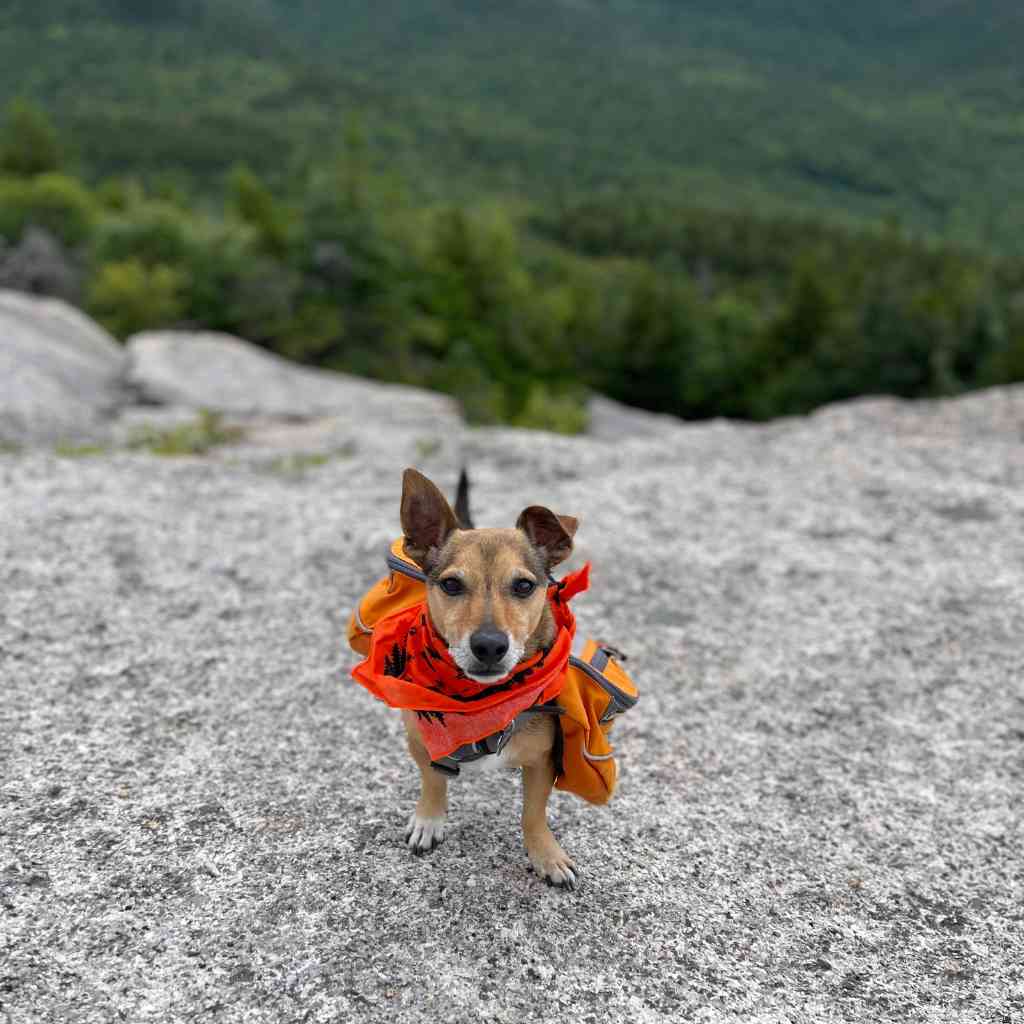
column 488, row 645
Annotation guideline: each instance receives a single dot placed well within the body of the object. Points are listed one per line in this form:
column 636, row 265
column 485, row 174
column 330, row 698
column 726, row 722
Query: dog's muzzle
column 489, row 647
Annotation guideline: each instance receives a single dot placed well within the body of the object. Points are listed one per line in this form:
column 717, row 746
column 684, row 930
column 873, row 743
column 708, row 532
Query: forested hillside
column 864, row 111
column 744, row 213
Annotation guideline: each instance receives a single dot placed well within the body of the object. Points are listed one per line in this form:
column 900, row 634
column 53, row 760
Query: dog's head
column 486, row 589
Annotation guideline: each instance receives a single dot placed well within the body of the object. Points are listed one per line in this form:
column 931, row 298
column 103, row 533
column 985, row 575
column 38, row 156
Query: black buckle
column 470, row 752
column 496, row 742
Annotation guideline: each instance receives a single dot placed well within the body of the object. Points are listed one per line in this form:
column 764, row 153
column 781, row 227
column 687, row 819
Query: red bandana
column 409, row 667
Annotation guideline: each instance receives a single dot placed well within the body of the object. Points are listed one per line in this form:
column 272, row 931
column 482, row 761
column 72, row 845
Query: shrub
column 150, row 233
column 653, row 345
column 1005, row 363
column 129, row 296
column 28, row 142
column 559, row 413
column 722, row 367
column 253, row 203
column 58, row 204
column 119, row 194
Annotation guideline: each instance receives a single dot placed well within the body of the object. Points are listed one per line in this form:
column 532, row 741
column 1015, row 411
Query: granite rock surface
column 66, row 383
column 819, row 812
column 228, row 375
column 61, row 374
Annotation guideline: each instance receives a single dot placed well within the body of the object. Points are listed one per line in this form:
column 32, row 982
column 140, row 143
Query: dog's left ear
column 550, row 533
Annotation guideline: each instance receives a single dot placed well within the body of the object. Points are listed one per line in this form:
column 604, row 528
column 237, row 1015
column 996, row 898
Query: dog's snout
column 489, row 645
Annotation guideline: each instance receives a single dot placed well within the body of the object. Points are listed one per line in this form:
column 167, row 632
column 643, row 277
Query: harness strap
column 490, row 745
column 620, row 700
column 396, row 564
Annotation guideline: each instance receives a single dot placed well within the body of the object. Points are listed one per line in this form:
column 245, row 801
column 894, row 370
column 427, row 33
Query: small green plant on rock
column 204, row 433
column 66, row 450
column 427, row 447
column 297, row 463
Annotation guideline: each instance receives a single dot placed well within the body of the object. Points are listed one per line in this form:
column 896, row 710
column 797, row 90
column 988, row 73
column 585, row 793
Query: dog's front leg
column 425, row 830
column 549, row 860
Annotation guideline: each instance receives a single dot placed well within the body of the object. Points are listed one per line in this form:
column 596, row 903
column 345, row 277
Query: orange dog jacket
column 407, row 665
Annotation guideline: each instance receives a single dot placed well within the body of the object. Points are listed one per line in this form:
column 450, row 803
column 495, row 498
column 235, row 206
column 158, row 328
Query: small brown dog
column 487, row 599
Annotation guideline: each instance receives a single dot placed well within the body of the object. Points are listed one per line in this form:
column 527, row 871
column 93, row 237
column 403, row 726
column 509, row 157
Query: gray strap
column 396, row 564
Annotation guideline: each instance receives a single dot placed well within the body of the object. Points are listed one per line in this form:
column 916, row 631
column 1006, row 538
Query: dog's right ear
column 427, row 518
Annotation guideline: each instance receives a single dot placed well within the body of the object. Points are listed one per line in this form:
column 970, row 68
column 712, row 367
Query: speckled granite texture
column 819, row 816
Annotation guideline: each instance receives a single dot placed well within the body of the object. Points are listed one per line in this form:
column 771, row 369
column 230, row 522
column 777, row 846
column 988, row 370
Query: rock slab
column 819, row 808
column 64, row 379
column 228, row 375
column 61, row 374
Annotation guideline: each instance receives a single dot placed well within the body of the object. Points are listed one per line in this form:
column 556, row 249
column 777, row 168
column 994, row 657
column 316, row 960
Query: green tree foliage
column 487, row 332
column 670, row 308
column 129, row 296
column 796, row 313
column 853, row 111
column 252, row 202
column 662, row 328
column 61, row 205
column 151, row 232
column 28, row 141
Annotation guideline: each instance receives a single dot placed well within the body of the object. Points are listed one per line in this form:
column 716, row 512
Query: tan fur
column 531, row 750
column 488, row 562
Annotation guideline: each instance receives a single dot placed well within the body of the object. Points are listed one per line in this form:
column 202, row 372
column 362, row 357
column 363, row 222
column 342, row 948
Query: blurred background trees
column 678, row 228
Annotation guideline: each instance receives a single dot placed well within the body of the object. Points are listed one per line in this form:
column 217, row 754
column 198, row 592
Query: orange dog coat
column 407, row 665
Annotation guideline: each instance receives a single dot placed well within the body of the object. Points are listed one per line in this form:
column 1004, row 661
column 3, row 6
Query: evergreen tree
column 28, row 142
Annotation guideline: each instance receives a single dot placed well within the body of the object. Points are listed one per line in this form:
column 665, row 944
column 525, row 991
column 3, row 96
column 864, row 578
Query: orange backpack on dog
column 401, row 588
column 595, row 687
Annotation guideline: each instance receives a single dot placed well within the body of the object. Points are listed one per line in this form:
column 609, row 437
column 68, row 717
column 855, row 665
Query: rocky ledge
column 65, row 381
column 819, row 810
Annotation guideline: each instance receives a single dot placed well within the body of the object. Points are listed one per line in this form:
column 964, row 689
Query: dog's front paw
column 552, row 864
column 424, row 834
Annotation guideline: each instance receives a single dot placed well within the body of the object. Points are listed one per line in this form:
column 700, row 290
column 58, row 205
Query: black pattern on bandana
column 395, row 662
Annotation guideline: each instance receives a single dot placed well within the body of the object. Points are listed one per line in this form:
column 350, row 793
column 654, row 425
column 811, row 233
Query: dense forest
column 705, row 213
column 857, row 111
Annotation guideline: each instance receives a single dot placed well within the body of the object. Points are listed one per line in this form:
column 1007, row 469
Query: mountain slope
column 873, row 111
column 862, row 112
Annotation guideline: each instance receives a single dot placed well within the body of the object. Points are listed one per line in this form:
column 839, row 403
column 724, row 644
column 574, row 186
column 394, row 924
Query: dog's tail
column 462, row 512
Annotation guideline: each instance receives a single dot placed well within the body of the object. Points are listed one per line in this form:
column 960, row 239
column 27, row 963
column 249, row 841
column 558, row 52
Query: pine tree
column 28, row 142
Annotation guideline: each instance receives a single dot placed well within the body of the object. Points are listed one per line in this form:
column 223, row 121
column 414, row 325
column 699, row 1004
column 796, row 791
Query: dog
column 487, row 599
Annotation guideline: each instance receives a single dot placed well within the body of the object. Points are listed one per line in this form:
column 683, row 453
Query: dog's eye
column 523, row 587
column 451, row 585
